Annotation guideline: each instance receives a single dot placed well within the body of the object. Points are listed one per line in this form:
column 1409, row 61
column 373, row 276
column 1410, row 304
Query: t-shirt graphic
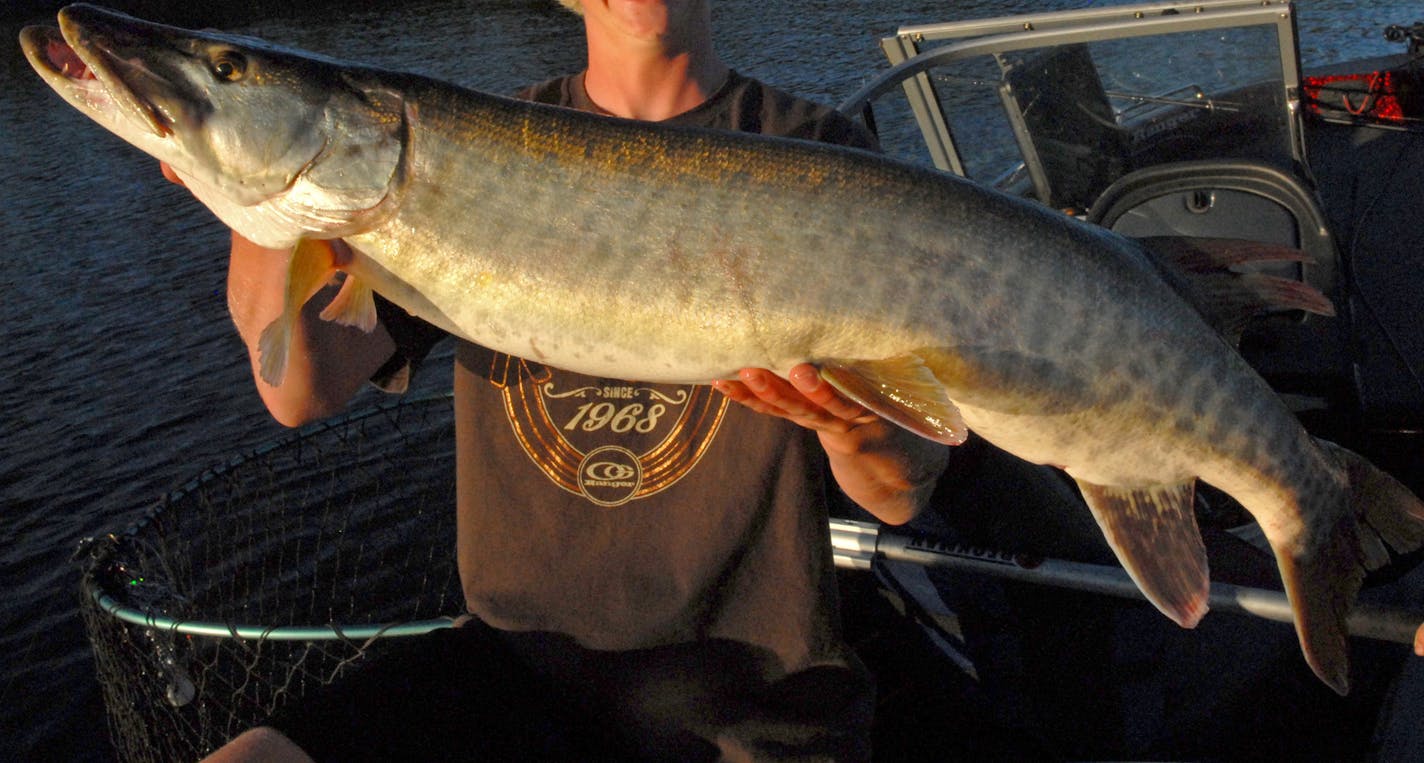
column 568, row 423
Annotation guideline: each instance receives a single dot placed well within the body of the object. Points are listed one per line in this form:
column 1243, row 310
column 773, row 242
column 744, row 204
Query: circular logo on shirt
column 610, row 475
column 611, row 442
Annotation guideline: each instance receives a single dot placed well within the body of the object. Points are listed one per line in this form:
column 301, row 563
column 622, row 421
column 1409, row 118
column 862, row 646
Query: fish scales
column 762, row 272
column 644, row 251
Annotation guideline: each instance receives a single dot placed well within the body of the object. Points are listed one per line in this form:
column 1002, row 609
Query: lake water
column 123, row 378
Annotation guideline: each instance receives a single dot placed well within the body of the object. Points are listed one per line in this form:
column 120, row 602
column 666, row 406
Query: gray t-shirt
column 657, row 548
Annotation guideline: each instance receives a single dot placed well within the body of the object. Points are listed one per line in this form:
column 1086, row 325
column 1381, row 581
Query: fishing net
column 270, row 575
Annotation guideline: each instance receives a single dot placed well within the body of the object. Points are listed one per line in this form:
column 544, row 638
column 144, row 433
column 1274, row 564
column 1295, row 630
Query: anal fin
column 1154, row 533
column 901, row 390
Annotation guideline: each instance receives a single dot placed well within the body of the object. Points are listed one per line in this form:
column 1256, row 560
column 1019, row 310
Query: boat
column 996, row 630
column 1197, row 120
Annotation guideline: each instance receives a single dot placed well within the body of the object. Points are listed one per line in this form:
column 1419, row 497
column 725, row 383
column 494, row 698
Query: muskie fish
column 648, row 252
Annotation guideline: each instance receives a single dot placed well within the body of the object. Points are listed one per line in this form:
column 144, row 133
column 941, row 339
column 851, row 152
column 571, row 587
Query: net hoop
column 270, row 574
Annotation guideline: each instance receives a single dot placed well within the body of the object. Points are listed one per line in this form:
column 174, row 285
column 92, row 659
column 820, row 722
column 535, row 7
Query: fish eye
column 229, row 66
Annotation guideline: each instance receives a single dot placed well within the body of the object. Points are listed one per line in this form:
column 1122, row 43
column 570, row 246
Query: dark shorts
column 453, row 694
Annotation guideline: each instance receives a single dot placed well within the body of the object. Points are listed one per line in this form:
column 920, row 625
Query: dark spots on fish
column 1186, row 420
column 1272, row 441
column 888, row 289
column 1197, row 388
column 1077, row 342
column 1214, row 408
column 1049, row 305
column 1138, row 367
column 1116, row 390
column 604, row 249
column 1235, row 411
column 1158, row 356
column 1167, row 373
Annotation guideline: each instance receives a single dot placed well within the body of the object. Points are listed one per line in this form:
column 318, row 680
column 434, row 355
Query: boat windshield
column 1057, row 106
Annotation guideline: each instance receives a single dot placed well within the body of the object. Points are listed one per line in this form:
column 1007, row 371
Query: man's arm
column 328, row 362
column 885, row 469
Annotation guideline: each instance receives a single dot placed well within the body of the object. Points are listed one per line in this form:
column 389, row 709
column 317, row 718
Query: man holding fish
column 653, row 559
column 587, row 543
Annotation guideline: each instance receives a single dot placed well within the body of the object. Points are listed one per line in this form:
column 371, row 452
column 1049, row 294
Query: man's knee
column 263, row 743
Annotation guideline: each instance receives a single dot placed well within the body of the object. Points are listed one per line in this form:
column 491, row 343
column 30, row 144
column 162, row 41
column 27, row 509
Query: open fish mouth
column 91, row 76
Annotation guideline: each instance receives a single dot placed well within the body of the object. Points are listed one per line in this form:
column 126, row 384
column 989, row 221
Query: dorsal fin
column 1202, row 270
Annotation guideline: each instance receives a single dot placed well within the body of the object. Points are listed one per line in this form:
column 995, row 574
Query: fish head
column 279, row 144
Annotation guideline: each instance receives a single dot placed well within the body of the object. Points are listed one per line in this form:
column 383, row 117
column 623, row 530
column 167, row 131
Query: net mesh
column 348, row 523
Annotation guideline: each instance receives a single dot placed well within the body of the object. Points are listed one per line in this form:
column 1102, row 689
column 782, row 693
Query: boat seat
column 1307, row 357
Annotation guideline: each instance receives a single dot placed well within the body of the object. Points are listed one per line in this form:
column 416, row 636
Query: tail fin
column 1391, row 517
column 1323, row 569
column 1389, row 521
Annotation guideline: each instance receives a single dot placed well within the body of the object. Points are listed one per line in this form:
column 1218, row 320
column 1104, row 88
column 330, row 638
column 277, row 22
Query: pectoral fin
column 308, row 270
column 354, row 305
column 901, row 390
column 1154, row 533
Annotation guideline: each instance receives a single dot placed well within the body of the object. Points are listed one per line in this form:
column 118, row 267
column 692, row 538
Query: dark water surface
column 122, row 376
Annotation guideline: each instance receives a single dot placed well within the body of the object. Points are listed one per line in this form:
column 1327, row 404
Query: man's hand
column 170, row 174
column 886, row 469
column 806, row 400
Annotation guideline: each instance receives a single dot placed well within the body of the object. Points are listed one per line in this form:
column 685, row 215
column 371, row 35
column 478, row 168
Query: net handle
column 1382, row 622
column 856, row 545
